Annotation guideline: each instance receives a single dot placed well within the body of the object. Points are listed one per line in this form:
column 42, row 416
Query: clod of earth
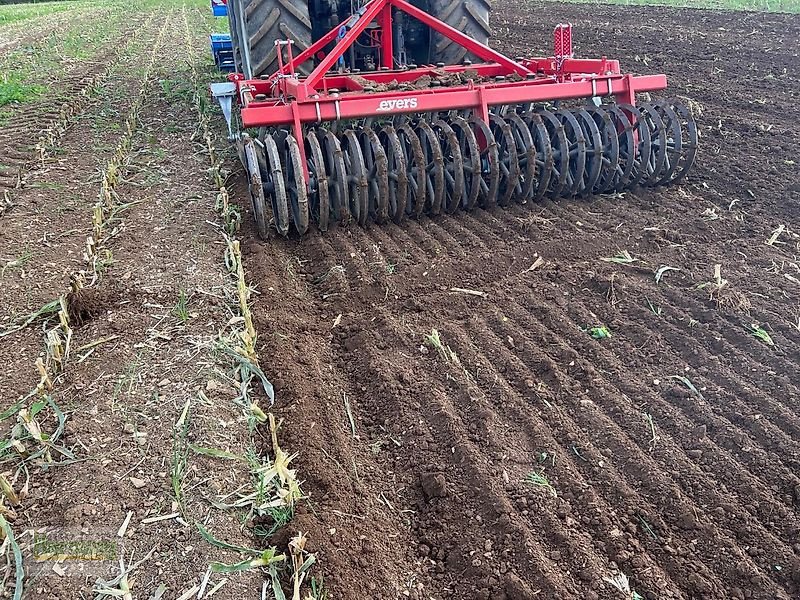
column 516, row 589
column 87, row 303
column 434, row 485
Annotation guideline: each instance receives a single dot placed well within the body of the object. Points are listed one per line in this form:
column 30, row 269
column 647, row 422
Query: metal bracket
column 224, row 93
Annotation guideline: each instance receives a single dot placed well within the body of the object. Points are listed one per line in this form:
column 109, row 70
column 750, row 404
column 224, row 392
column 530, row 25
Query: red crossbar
column 357, row 105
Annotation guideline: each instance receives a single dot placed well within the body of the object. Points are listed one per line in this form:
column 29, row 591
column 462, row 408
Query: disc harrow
column 429, row 165
column 336, row 147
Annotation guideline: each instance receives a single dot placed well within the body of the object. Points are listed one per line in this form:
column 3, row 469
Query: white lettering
column 397, row 104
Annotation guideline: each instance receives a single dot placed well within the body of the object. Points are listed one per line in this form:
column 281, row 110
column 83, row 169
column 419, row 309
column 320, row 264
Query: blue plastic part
column 219, row 8
column 222, row 49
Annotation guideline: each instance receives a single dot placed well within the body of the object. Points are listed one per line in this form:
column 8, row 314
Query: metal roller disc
column 274, row 184
column 398, row 174
column 296, row 188
column 674, row 143
column 358, row 188
column 594, row 151
column 610, row 146
column 658, row 144
column 560, row 147
column 337, row 176
column 319, row 196
column 434, row 168
column 576, row 143
column 471, row 156
column 689, row 140
column 627, row 147
column 248, row 150
column 544, row 154
column 526, row 157
column 418, row 177
column 453, row 166
column 641, row 140
column 490, row 162
column 377, row 167
column 509, row 162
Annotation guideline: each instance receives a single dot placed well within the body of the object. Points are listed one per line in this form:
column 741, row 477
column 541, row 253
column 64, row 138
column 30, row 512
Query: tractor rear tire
column 470, row 17
column 265, row 22
column 233, row 26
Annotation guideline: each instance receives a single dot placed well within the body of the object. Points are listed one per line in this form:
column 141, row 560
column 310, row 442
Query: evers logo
column 402, row 103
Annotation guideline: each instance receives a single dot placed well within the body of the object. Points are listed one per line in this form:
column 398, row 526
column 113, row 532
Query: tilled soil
column 671, row 450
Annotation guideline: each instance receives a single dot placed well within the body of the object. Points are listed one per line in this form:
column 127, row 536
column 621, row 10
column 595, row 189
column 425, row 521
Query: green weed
column 539, row 480
column 685, row 381
column 180, row 454
column 761, row 334
column 13, row 91
column 599, row 333
column 17, row 263
column 433, row 339
column 181, row 308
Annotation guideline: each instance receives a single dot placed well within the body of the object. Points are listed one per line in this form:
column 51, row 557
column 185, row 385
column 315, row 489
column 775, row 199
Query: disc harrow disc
column 274, row 182
column 397, row 175
column 471, row 157
column 358, row 187
column 641, row 143
column 434, row 168
column 526, row 158
column 560, row 148
column 576, row 150
column 509, row 161
column 610, row 149
column 490, row 162
column 453, row 166
column 319, row 196
column 417, row 170
column 689, row 140
column 377, row 171
column 337, row 177
column 627, row 147
column 594, row 151
column 295, row 182
column 249, row 151
column 654, row 165
column 544, row 154
column 674, row 141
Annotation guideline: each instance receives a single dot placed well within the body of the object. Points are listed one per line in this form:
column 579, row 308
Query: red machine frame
column 287, row 98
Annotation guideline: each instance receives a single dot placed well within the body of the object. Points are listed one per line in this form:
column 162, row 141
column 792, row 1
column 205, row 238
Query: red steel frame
column 286, row 98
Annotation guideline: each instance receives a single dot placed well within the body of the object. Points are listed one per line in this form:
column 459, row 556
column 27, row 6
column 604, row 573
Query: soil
column 671, row 450
column 451, row 444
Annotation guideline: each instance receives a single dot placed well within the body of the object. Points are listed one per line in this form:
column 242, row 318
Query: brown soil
column 690, row 492
column 414, row 458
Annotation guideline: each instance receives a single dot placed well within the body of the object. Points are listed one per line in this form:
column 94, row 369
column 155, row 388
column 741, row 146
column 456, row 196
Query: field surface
column 457, row 445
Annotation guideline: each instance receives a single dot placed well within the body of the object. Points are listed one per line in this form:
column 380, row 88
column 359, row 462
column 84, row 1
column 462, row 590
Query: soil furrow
column 673, row 455
column 669, row 500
